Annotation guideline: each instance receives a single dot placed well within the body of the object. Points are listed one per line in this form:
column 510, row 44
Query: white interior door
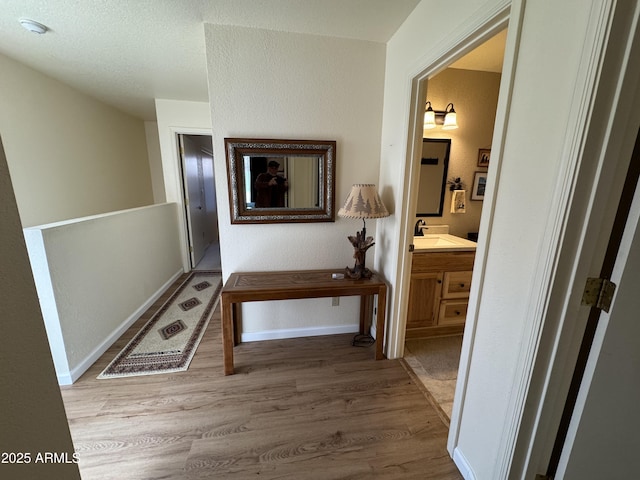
column 195, row 202
column 211, row 208
column 603, row 433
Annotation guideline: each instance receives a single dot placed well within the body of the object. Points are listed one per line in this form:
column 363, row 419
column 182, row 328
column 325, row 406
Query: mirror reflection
column 281, row 180
column 434, row 165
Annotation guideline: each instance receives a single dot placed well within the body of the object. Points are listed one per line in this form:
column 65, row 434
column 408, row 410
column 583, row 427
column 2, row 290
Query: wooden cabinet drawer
column 453, row 312
column 441, row 261
column 456, row 284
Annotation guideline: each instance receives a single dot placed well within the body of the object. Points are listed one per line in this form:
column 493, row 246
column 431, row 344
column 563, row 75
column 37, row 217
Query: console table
column 260, row 286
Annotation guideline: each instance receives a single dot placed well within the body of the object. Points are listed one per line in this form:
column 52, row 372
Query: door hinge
column 190, row 249
column 598, row 293
column 412, row 247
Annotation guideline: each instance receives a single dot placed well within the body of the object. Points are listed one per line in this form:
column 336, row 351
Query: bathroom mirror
column 281, row 181
column 434, row 165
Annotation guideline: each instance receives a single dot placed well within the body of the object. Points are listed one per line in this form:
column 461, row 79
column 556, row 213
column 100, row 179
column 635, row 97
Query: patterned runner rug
column 170, row 338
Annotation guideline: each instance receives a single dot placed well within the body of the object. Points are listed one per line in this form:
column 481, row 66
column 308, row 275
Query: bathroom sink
column 442, row 242
column 433, row 241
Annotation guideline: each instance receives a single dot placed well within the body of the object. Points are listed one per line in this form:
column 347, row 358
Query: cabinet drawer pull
column 457, row 312
column 462, row 285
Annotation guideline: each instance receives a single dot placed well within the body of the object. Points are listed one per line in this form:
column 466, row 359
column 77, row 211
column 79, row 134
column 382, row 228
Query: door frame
column 608, row 140
column 453, row 48
column 176, row 160
column 573, row 243
column 187, row 197
column 461, row 43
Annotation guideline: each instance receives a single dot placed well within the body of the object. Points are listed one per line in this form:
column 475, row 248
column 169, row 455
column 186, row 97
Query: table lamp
column 362, row 202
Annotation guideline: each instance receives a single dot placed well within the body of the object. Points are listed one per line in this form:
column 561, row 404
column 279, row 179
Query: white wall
column 32, row 417
column 155, row 161
column 268, row 84
column 95, row 276
column 69, row 155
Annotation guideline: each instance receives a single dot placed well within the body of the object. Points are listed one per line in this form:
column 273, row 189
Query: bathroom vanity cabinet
column 439, row 292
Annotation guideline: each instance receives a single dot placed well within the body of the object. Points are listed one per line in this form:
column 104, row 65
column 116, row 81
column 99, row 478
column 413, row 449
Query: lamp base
column 361, row 243
column 358, row 272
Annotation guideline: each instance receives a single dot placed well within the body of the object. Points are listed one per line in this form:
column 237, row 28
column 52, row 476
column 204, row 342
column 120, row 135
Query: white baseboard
column 298, row 332
column 67, row 378
column 463, row 465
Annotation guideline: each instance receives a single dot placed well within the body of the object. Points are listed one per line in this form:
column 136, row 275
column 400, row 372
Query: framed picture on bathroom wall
column 479, row 185
column 484, row 155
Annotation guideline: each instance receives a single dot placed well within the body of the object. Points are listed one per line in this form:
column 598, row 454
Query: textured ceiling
column 128, row 52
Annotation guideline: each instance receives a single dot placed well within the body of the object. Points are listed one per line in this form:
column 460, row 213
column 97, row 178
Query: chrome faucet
column 417, row 230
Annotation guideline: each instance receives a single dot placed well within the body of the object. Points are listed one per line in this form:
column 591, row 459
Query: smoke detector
column 33, row 26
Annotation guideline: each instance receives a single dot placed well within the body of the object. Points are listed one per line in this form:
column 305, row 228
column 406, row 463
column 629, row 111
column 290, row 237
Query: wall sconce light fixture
column 446, row 117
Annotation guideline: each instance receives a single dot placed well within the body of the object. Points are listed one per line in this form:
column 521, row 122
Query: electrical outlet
column 335, row 301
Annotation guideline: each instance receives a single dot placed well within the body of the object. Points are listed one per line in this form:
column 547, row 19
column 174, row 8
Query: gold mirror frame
column 244, row 211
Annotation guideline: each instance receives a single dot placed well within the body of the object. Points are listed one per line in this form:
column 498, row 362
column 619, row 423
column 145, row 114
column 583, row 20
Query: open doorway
column 453, row 170
column 201, row 213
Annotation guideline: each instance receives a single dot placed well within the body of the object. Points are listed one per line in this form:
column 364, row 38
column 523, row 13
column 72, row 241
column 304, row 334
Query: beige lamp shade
column 363, row 202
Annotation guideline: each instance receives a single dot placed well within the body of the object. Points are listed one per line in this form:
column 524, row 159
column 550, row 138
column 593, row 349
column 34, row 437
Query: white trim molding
column 463, row 465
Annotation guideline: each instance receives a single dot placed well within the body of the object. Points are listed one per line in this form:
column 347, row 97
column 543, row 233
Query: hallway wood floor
column 304, row 409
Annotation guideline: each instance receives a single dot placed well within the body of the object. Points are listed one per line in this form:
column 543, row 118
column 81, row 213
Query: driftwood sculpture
column 360, row 247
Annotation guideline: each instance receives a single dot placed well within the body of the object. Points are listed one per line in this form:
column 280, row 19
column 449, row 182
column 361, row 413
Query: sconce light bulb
column 429, row 119
column 450, row 122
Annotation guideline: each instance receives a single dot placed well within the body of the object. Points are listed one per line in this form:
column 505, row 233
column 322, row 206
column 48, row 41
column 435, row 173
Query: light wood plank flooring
column 308, row 408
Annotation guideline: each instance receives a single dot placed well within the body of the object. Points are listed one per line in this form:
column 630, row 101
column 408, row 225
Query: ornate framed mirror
column 281, row 181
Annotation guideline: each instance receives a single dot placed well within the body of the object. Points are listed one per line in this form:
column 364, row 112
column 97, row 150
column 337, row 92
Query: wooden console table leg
column 227, row 335
column 365, row 313
column 381, row 311
column 235, row 312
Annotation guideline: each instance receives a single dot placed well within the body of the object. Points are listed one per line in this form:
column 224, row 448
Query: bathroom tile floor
column 435, row 362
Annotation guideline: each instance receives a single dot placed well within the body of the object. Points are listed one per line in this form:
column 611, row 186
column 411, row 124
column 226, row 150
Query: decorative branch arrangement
column 455, row 184
column 360, row 247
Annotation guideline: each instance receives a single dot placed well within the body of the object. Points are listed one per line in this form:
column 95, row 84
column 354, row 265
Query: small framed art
column 484, row 155
column 479, row 185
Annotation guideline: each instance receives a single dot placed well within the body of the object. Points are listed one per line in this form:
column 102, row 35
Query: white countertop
column 442, row 242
